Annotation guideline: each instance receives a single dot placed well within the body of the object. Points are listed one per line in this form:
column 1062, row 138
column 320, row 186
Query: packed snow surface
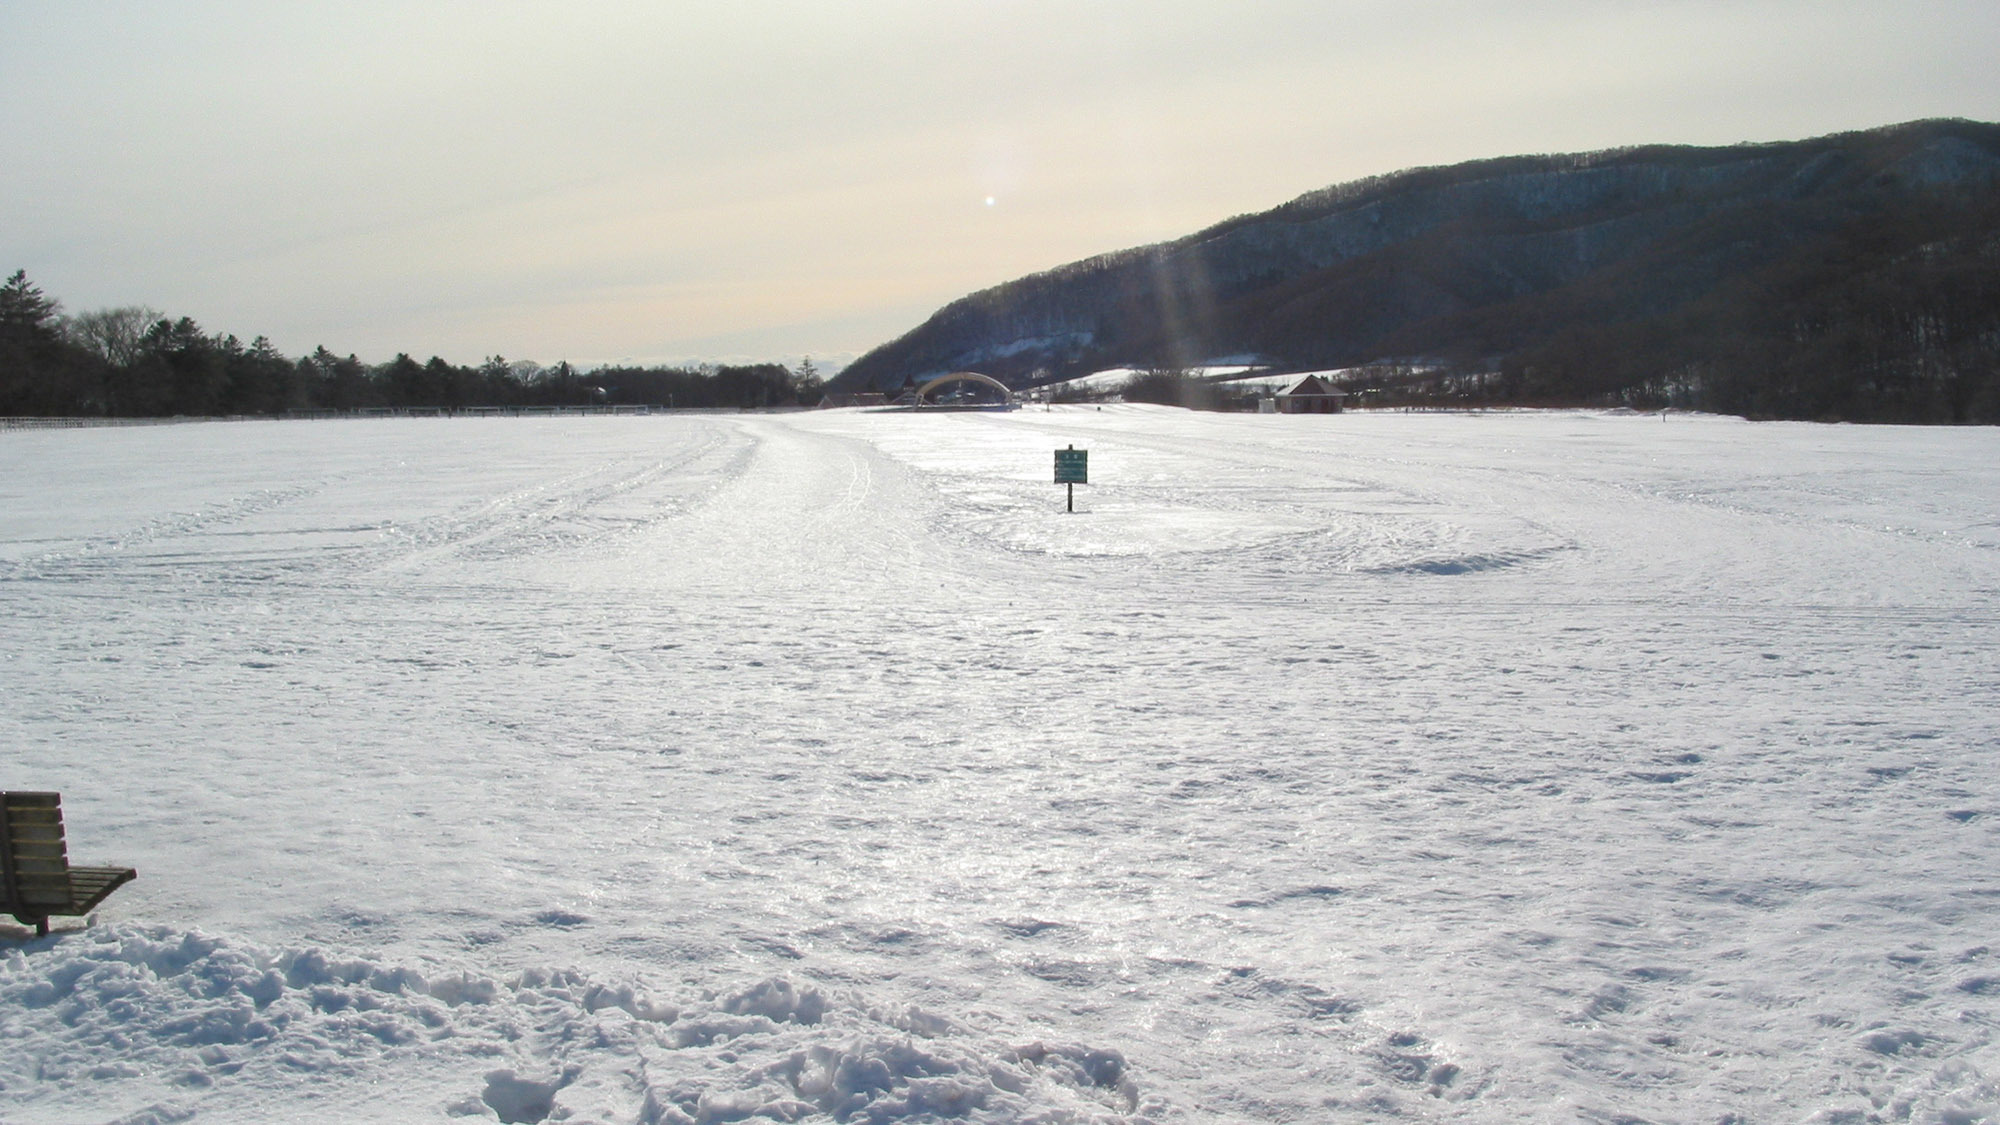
column 819, row 767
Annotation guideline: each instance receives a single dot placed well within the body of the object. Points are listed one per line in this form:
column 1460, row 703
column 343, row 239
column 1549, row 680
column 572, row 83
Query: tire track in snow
column 575, row 514
column 145, row 544
column 830, row 514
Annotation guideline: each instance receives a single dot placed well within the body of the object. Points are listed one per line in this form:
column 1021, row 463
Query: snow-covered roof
column 1312, row 386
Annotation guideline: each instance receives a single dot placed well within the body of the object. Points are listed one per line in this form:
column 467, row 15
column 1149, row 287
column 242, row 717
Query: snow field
column 1344, row 768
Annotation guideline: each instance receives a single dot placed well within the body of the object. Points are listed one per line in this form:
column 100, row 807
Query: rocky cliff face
column 1477, row 261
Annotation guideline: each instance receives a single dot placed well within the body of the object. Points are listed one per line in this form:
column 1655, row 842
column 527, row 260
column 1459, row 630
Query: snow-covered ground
column 700, row 768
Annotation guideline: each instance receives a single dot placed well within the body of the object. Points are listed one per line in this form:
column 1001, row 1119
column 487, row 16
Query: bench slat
column 34, row 812
column 42, row 874
column 90, row 880
column 94, row 884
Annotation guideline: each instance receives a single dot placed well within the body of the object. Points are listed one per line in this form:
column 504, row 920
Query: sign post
column 1072, row 469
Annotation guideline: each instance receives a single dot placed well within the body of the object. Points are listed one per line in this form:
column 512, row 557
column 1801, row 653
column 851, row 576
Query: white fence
column 368, row 412
column 80, row 423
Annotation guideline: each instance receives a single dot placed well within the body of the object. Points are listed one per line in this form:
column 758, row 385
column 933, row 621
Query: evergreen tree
column 39, row 372
column 24, row 309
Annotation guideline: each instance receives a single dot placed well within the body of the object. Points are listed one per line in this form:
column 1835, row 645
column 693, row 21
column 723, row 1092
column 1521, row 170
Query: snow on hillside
column 817, row 767
column 1113, row 378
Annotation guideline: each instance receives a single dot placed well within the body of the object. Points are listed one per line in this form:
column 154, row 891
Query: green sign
column 1072, row 466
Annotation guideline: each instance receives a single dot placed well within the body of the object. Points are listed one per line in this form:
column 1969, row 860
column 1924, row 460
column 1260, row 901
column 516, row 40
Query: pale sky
column 601, row 181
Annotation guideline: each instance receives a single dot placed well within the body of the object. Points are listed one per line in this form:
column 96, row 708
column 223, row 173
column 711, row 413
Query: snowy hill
column 1722, row 278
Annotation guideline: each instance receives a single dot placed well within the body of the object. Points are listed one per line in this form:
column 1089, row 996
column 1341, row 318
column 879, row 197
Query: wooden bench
column 36, row 880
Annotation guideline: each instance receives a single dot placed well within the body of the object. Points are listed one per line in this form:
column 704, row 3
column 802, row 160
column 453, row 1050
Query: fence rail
column 82, row 423
column 366, row 412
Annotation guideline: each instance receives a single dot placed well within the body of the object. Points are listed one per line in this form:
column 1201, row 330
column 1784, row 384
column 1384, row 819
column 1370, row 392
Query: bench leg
column 39, row 921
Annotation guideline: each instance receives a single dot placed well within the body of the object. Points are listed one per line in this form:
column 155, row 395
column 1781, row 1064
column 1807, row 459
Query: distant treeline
column 1889, row 316
column 138, row 363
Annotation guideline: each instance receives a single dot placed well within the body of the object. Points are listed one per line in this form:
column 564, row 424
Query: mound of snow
column 133, row 1023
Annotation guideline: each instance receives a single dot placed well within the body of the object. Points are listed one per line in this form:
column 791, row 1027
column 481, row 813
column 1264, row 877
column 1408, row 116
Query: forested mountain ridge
column 1855, row 275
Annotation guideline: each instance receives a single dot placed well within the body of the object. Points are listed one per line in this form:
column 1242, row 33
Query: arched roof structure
column 924, row 392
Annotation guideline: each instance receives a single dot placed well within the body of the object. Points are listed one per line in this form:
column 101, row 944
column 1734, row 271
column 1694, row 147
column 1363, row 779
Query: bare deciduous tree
column 115, row 335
